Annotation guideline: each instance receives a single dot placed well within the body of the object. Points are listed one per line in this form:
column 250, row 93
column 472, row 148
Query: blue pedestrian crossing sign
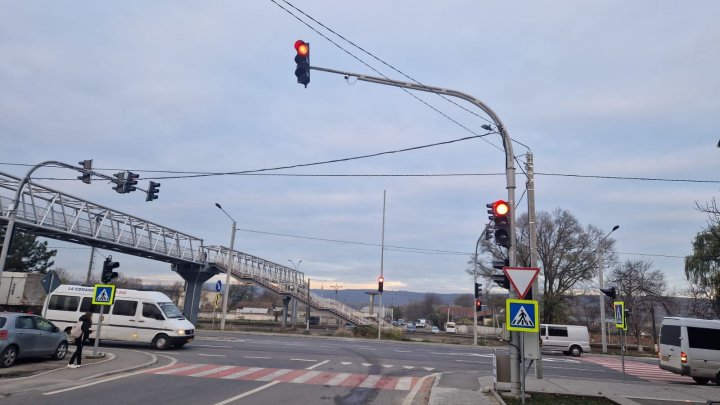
column 104, row 294
column 620, row 321
column 522, row 315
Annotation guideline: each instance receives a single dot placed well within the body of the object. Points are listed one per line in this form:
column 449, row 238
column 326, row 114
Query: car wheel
column 8, row 356
column 576, row 351
column 161, row 342
column 61, row 351
column 701, row 380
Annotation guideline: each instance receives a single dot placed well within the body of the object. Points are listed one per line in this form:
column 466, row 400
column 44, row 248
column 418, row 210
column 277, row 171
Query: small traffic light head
column 302, row 60
column 120, row 182
column 478, row 305
column 500, row 208
column 87, row 165
column 153, row 190
column 131, row 182
column 107, row 272
column 381, row 280
column 610, row 292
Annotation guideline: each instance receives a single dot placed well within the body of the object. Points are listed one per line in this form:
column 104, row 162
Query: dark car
column 27, row 335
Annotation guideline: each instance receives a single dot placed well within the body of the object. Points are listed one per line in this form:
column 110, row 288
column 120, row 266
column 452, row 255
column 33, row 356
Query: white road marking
column 227, row 401
column 256, row 357
column 310, row 360
column 346, row 363
column 408, row 367
column 387, row 365
column 340, row 377
column 316, row 365
column 366, row 364
column 411, row 396
column 211, row 371
column 274, row 374
column 211, row 355
column 177, row 370
column 429, row 368
column 215, row 346
column 370, row 381
column 403, row 383
column 242, row 373
column 305, row 377
column 403, row 351
column 550, row 359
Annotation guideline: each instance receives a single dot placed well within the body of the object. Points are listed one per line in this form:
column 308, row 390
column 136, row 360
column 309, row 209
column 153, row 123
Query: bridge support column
column 195, row 276
column 286, row 303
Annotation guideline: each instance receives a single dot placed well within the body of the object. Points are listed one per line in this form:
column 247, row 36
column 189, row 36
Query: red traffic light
column 500, row 208
column 302, row 47
column 381, row 279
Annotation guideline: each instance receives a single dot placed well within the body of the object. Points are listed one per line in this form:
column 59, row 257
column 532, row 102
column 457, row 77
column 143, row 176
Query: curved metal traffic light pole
column 509, row 176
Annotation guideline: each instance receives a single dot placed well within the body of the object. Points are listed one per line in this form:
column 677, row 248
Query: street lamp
column 229, row 267
column 603, row 325
column 296, row 266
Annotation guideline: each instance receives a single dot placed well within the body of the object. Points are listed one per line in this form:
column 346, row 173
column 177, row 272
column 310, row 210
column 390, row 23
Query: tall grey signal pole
column 530, row 170
column 509, row 178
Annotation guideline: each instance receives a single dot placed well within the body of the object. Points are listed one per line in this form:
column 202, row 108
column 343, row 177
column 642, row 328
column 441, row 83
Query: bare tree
column 640, row 287
column 702, row 269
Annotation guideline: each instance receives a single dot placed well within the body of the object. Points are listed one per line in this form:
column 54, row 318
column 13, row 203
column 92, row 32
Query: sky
column 605, row 94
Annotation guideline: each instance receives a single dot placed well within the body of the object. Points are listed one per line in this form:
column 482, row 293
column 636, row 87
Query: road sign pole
column 97, row 334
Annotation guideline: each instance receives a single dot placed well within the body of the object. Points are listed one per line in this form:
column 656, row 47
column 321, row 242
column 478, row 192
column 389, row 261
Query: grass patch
column 559, row 399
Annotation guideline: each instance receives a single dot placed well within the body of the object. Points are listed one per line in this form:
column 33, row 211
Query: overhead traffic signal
column 107, row 272
column 499, row 213
column 120, row 182
column 86, row 176
column 302, row 60
column 153, row 190
column 131, row 182
column 610, row 292
column 381, row 280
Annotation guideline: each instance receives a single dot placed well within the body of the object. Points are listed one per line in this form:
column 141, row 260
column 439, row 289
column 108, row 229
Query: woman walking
column 80, row 341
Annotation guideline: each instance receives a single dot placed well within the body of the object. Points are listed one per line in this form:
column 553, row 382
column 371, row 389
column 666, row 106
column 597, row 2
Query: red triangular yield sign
column 521, row 278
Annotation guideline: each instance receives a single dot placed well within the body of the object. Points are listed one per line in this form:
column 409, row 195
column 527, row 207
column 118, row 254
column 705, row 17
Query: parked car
column 349, row 326
column 435, row 329
column 27, row 335
column 410, row 327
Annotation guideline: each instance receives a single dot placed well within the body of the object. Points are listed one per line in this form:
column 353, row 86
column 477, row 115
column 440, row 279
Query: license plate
column 665, row 358
column 190, row 340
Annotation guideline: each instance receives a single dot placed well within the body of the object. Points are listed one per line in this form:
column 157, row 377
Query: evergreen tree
column 27, row 254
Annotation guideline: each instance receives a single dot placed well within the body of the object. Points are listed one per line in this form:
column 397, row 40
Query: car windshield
column 170, row 310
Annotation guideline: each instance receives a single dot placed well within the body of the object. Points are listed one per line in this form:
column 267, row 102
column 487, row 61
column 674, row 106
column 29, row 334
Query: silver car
column 27, row 335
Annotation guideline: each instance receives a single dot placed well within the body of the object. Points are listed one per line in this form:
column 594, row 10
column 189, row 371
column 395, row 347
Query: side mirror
column 55, row 329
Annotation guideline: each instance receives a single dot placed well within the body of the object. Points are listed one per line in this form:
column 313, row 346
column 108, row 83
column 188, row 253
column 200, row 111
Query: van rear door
column 670, row 346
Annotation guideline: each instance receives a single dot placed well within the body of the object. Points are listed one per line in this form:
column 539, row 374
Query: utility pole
column 336, row 287
column 530, row 170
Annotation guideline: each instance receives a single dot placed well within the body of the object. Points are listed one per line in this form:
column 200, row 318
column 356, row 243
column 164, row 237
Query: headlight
column 181, row 332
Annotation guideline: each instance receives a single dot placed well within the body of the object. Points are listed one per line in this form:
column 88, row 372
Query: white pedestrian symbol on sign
column 522, row 318
column 103, row 296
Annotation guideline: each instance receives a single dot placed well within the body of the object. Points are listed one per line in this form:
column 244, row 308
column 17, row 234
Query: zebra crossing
column 644, row 371
column 292, row 376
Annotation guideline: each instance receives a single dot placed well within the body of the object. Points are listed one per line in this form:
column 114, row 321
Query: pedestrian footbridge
column 54, row 214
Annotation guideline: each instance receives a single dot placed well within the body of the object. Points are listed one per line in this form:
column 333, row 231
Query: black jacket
column 86, row 325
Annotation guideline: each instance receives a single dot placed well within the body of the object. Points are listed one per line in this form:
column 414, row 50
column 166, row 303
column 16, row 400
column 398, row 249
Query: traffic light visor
column 301, row 47
column 500, row 208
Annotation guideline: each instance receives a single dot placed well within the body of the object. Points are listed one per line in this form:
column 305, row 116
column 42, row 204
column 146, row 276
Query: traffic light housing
column 381, row 280
column 153, row 190
column 610, row 292
column 478, row 305
column 131, row 182
column 86, row 176
column 120, row 182
column 107, row 272
column 501, row 280
column 499, row 215
column 478, row 290
column 302, row 60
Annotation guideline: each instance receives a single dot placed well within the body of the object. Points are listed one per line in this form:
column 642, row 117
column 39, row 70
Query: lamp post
column 603, row 325
column 228, row 271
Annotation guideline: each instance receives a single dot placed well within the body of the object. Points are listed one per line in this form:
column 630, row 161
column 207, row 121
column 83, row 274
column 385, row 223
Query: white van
column 450, row 327
column 135, row 316
column 569, row 339
column 691, row 347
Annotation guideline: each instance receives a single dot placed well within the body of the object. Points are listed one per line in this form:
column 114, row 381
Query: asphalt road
column 222, row 368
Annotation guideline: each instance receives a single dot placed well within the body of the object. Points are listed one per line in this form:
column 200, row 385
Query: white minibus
column 569, row 339
column 450, row 327
column 691, row 347
column 135, row 316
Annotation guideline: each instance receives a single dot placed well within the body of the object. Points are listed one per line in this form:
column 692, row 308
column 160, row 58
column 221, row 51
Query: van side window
column 124, row 308
column 63, row 303
column 670, row 335
column 151, row 311
column 557, row 331
column 86, row 305
column 703, row 338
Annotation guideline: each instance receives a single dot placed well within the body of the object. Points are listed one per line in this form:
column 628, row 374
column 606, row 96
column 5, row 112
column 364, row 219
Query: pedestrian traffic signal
column 501, row 280
column 131, row 182
column 120, row 182
column 381, row 280
column 610, row 292
column 478, row 305
column 107, row 272
column 302, row 60
column 153, row 190
column 499, row 211
column 478, row 290
column 86, row 176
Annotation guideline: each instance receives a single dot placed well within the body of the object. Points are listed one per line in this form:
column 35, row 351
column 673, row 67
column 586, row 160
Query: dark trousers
column 78, row 351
